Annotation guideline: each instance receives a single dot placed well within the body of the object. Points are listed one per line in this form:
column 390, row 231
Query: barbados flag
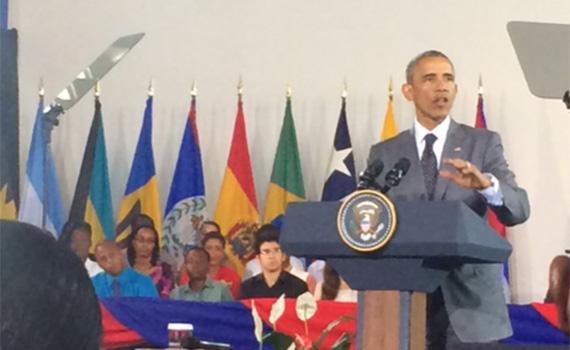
column 236, row 211
column 141, row 195
column 341, row 180
column 92, row 199
column 186, row 202
column 286, row 184
column 41, row 190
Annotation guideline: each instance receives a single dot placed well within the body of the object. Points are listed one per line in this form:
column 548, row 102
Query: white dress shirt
column 492, row 194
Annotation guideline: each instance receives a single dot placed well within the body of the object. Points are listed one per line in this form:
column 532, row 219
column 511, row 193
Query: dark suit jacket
column 472, row 293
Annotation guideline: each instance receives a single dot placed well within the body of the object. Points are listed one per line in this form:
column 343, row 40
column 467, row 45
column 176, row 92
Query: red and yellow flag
column 236, row 211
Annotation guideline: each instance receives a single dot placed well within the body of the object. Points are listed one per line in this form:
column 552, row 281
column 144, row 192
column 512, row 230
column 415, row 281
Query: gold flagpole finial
column 289, row 90
column 194, row 90
column 151, row 87
column 391, row 89
column 344, row 89
column 97, row 88
column 240, row 86
column 41, row 90
column 480, row 91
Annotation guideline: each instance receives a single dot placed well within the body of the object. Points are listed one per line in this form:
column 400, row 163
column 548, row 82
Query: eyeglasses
column 273, row 251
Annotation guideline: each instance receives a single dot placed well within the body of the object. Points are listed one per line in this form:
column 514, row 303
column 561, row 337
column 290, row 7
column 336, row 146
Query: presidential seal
column 366, row 220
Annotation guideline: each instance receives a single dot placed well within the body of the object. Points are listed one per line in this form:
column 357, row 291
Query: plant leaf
column 277, row 310
column 306, row 306
column 325, row 332
column 258, row 331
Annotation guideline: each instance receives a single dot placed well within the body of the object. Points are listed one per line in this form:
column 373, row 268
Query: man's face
column 196, row 263
column 216, row 250
column 270, row 257
column 110, row 258
column 80, row 243
column 432, row 90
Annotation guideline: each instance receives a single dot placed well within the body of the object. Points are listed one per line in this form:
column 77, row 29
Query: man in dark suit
column 452, row 161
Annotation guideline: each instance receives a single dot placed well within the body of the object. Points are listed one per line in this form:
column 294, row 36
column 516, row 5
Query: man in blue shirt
column 119, row 280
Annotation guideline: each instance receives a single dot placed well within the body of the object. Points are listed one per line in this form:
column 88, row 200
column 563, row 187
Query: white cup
column 177, row 332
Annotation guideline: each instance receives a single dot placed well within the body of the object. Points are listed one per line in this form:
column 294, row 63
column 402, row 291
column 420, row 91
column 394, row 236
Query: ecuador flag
column 92, row 200
column 389, row 130
column 141, row 195
column 286, row 184
column 236, row 211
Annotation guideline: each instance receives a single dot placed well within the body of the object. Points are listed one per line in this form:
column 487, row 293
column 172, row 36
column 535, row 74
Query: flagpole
column 46, row 131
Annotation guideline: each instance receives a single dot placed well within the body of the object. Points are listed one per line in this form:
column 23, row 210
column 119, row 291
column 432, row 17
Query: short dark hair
column 68, row 229
column 198, row 249
column 213, row 223
column 131, row 249
column 46, row 297
column 214, row 235
column 266, row 233
column 410, row 68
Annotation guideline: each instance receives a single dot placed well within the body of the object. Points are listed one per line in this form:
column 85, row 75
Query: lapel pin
column 457, row 149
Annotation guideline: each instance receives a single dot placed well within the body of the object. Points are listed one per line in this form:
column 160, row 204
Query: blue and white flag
column 36, row 195
column 186, row 205
column 341, row 177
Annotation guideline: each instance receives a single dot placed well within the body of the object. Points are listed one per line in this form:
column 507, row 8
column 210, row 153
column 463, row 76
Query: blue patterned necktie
column 429, row 165
column 115, row 288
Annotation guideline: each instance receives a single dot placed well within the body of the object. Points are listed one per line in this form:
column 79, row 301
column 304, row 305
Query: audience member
column 334, row 287
column 253, row 268
column 200, row 287
column 299, row 273
column 46, row 298
column 273, row 280
column 119, row 280
column 215, row 244
column 143, row 256
column 76, row 235
column 559, row 289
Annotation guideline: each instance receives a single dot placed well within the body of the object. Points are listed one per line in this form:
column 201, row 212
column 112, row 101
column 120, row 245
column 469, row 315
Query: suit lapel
column 454, row 148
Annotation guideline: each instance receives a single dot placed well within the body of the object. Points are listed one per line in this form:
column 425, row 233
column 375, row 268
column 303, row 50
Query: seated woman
column 142, row 254
column 76, row 236
column 334, row 288
column 215, row 243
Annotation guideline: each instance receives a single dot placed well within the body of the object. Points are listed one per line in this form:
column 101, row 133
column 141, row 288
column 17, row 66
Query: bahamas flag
column 38, row 195
column 389, row 129
column 341, row 180
column 286, row 184
column 186, row 205
column 236, row 211
column 141, row 195
column 92, row 199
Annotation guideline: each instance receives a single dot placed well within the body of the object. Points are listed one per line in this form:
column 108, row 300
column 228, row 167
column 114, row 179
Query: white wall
column 313, row 45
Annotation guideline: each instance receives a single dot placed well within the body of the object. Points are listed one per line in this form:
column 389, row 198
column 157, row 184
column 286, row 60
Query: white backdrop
column 313, row 45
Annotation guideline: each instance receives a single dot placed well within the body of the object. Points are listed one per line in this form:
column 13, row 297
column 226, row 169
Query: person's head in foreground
column 47, row 300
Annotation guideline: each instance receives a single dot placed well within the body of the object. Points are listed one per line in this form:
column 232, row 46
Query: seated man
column 200, row 287
column 119, row 280
column 273, row 279
column 76, row 235
column 559, row 289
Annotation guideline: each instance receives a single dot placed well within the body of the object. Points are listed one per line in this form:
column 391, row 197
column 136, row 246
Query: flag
column 92, row 199
column 389, row 130
column 9, row 126
column 492, row 219
column 39, row 194
column 141, row 195
column 341, row 179
column 186, row 205
column 286, row 184
column 236, row 210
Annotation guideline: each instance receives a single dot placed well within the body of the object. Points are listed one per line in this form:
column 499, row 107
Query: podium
column 431, row 238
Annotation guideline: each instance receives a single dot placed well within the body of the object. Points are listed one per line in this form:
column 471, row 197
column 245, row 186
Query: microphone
column 367, row 178
column 395, row 175
column 192, row 342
